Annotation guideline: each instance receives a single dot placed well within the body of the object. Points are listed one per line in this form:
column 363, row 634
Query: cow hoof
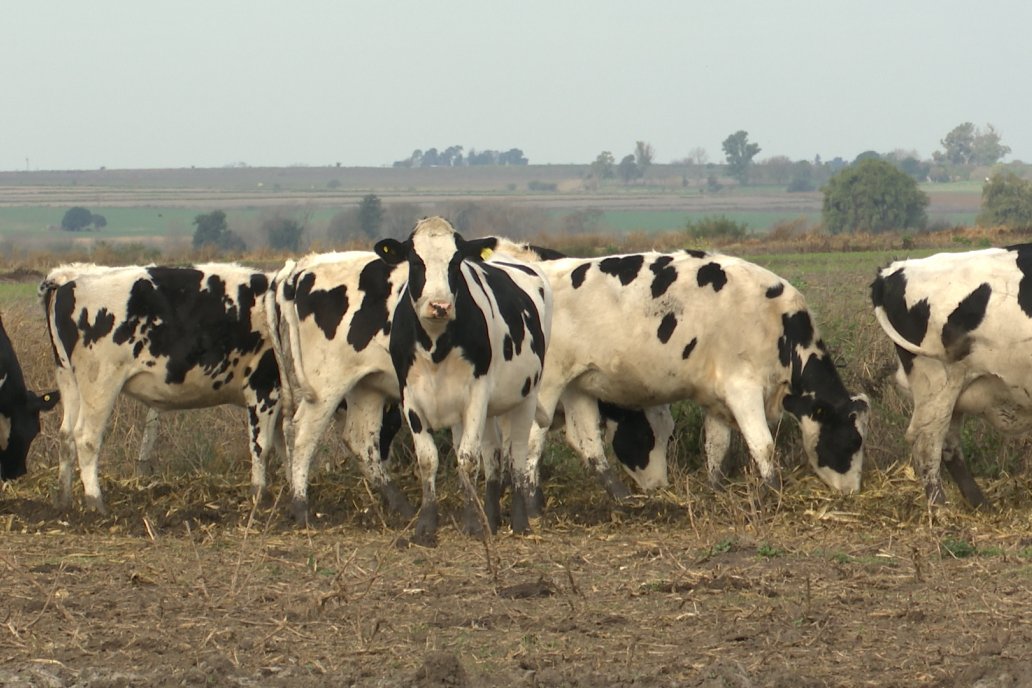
column 614, row 486
column 471, row 524
column 718, row 481
column 492, row 507
column 299, row 511
column 261, row 496
column 520, row 517
column 536, row 503
column 396, row 503
column 936, row 495
column 145, row 469
column 96, row 505
column 426, row 527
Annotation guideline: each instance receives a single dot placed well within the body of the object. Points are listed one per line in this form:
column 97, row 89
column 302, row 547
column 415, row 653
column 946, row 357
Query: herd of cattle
column 489, row 338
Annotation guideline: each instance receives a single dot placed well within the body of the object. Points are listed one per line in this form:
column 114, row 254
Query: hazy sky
column 141, row 84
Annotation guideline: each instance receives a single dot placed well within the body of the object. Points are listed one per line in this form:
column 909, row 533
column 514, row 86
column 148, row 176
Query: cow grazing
column 961, row 323
column 647, row 329
column 19, row 412
column 468, row 342
column 172, row 338
column 333, row 315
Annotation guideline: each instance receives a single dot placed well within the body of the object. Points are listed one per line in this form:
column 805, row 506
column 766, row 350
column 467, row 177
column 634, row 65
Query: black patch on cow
column 666, row 327
column 522, row 267
column 507, row 348
column 797, row 330
column 665, row 275
column 625, row 268
column 968, row 315
column 889, row 294
column 99, row 329
column 414, row 422
column 689, row 348
column 776, row 291
column 390, row 424
column 526, row 388
column 578, row 275
column 372, row 316
column 259, row 283
column 633, row 438
column 64, row 306
column 192, row 325
column 518, row 311
column 1024, row 263
column 327, row 305
column 264, row 380
column 713, row 275
column 21, row 407
column 906, row 359
column 696, row 253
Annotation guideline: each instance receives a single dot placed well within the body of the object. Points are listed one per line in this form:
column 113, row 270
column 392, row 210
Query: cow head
column 19, row 425
column 833, row 437
column 434, row 252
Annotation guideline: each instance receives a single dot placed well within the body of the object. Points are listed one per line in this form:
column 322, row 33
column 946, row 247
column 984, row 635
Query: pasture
column 186, row 582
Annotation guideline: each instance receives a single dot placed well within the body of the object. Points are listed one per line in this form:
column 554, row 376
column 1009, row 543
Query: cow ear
column 43, row 402
column 391, row 251
column 479, row 249
column 798, row 405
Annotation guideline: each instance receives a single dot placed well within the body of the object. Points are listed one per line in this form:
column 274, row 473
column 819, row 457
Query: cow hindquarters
column 96, row 402
column 70, row 413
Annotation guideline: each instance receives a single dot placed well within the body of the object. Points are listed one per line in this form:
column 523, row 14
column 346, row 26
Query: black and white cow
column 333, row 318
column 19, row 412
column 468, row 342
column 961, row 323
column 172, row 338
column 647, row 329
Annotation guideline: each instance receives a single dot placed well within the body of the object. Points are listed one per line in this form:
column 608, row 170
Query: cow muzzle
column 439, row 310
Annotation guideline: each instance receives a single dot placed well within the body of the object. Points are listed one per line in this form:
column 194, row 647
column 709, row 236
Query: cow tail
column 46, row 291
column 898, row 339
column 287, row 340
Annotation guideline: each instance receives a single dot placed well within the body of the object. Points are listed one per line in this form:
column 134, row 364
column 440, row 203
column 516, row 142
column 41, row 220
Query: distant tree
column 628, row 169
column 867, row 155
column 513, row 156
column 873, row 196
column 284, row 233
column 802, row 178
column 697, row 156
column 431, row 158
column 958, row 146
column 370, row 216
column 76, row 219
column 603, row 167
column 484, row 157
column 98, row 221
column 1006, row 200
column 211, row 230
column 343, row 226
column 643, row 155
column 986, row 149
column 912, row 167
column 778, row 169
column 452, row 156
column 739, row 154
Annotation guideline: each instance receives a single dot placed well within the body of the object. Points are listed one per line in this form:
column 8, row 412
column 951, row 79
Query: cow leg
column 935, row 394
column 746, row 404
column 145, row 460
column 492, row 454
column 264, row 424
column 426, row 460
column 469, row 452
column 717, row 440
column 70, row 413
column 584, row 435
column 96, row 403
column 953, row 458
column 362, row 435
column 310, row 421
column 521, row 422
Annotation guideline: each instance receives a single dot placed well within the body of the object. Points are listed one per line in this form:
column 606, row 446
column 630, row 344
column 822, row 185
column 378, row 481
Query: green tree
column 643, row 155
column 76, row 219
column 874, row 196
column 958, row 146
column 739, row 154
column 284, row 233
column 603, row 167
column 98, row 221
column 986, row 149
column 370, row 216
column 1006, row 200
column 628, row 169
column 802, row 177
column 211, row 230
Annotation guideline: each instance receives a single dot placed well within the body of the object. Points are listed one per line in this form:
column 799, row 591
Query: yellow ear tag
column 485, row 253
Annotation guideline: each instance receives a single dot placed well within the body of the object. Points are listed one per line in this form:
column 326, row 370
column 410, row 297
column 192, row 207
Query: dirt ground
column 185, row 583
